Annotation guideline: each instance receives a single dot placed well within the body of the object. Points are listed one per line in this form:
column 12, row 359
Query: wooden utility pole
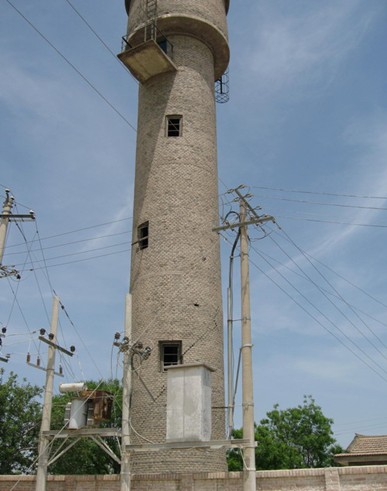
column 41, row 475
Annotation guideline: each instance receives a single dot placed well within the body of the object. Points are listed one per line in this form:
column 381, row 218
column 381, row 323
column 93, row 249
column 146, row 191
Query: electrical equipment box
column 78, row 414
column 90, row 409
column 189, row 403
column 102, row 403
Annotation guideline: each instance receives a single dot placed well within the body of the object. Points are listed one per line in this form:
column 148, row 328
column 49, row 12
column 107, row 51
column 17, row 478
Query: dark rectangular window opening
column 170, row 354
column 163, row 43
column 174, row 124
column 143, row 235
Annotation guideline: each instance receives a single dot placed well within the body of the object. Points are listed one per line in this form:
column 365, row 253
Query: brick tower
column 176, row 49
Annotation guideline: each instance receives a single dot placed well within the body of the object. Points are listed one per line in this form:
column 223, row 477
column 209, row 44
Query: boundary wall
column 362, row 478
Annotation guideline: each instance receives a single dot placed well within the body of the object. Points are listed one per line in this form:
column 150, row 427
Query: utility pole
column 5, row 217
column 126, row 396
column 249, row 468
column 249, row 478
column 41, row 475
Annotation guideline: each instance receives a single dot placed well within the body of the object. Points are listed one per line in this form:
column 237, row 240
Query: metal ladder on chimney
column 150, row 31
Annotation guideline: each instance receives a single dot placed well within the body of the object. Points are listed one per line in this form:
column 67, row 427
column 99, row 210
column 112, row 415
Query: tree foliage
column 298, row 437
column 20, row 417
column 86, row 457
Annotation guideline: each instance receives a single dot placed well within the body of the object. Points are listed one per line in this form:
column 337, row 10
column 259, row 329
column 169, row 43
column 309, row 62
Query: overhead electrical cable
column 335, row 290
column 64, row 244
column 316, row 319
column 334, row 222
column 367, row 314
column 79, row 230
column 322, row 193
column 100, row 39
column 80, row 260
column 330, row 300
column 93, row 30
column 78, row 333
column 45, row 260
column 348, row 281
column 72, row 66
column 332, row 333
column 320, row 203
column 36, row 278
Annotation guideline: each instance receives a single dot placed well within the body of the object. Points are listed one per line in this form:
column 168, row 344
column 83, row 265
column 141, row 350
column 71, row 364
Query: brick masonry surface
column 175, row 281
column 367, row 478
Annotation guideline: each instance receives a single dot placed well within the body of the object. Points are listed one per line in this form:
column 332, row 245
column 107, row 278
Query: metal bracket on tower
column 222, row 89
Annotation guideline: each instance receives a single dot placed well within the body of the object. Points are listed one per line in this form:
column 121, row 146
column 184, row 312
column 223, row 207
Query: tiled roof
column 364, row 445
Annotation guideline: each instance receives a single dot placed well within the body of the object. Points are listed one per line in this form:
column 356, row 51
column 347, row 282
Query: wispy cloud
column 299, row 48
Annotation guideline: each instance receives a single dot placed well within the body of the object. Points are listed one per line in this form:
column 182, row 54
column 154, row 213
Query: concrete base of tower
column 179, row 461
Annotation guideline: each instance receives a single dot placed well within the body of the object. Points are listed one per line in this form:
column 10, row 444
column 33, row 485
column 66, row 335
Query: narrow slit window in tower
column 174, row 125
column 170, row 354
column 143, row 235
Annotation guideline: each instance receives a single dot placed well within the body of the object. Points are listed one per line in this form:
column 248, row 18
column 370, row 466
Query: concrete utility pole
column 249, row 478
column 5, row 217
column 249, row 469
column 126, row 395
column 41, row 475
column 7, row 208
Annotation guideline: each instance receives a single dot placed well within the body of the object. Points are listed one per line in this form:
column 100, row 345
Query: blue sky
column 305, row 129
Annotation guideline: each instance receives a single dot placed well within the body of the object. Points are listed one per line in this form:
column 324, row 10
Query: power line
column 72, row 66
column 79, row 260
column 321, row 193
column 320, row 323
column 77, row 230
column 319, row 203
column 328, row 292
column 98, row 237
column 99, row 38
column 317, row 320
column 334, row 222
column 93, row 31
column 44, row 260
column 325, row 295
column 307, row 257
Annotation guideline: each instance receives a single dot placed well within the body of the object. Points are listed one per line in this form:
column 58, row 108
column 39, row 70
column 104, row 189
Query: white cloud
column 296, row 49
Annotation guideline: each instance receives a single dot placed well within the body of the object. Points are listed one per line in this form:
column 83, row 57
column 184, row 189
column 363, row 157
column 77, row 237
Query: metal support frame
column 96, row 434
column 211, row 444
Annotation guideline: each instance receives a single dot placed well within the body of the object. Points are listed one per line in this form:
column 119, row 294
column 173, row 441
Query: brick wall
column 175, row 281
column 367, row 478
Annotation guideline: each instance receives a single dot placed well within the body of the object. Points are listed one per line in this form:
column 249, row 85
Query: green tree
column 86, row 457
column 20, row 417
column 293, row 438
